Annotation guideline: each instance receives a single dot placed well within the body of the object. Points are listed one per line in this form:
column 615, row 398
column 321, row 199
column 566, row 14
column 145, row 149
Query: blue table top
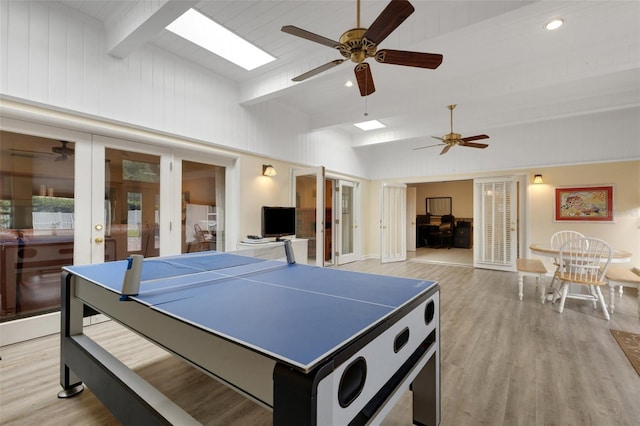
column 297, row 314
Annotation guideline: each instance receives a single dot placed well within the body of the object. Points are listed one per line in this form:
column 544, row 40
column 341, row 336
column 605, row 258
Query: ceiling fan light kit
column 358, row 44
column 63, row 151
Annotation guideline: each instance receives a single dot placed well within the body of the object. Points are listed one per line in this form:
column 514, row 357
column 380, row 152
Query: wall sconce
column 268, row 170
column 537, row 179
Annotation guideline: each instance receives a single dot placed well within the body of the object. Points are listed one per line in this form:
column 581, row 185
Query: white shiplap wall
column 54, row 56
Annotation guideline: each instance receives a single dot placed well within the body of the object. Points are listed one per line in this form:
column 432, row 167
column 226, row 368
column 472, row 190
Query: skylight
column 199, row 29
column 370, row 125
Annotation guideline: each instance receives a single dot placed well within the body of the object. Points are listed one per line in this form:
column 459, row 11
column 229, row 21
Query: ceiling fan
column 358, row 44
column 63, row 151
column 451, row 139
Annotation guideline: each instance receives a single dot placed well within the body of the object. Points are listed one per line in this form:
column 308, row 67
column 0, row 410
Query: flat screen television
column 278, row 221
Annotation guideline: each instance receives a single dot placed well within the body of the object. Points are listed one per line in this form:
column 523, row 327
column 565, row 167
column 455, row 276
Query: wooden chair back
column 584, row 261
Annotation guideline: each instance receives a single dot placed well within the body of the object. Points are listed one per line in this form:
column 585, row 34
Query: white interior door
column 308, row 198
column 411, row 218
column 495, row 223
column 393, row 225
column 347, row 224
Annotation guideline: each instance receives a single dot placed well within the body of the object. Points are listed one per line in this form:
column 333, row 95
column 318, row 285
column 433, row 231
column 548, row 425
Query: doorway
column 431, row 247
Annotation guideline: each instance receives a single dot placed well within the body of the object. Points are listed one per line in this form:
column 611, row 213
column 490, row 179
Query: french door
column 393, row 223
column 495, row 229
column 308, row 199
column 129, row 186
column 411, row 218
column 347, row 221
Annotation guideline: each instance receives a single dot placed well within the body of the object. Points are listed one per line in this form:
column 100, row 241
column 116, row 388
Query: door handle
column 99, row 240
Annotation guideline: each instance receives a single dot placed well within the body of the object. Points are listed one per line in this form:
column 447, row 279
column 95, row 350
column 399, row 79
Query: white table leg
column 612, row 292
column 520, row 283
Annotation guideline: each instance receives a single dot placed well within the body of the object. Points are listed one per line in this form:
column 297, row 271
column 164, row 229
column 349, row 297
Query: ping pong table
column 317, row 346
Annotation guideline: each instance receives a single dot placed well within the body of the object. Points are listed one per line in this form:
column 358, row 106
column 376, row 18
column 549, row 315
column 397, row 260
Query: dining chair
column 557, row 240
column 201, row 240
column 583, row 261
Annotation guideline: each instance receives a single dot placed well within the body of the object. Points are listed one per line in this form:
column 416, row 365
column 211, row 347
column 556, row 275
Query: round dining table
column 546, row 250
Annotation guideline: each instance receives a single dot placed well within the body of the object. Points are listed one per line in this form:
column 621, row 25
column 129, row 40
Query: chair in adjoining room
column 201, row 243
column 583, row 261
column 444, row 234
column 557, row 240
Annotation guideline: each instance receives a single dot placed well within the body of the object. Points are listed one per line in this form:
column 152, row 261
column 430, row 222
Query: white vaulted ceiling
column 500, row 66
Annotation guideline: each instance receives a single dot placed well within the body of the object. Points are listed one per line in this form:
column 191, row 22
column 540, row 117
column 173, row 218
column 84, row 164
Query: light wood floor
column 452, row 256
column 504, row 362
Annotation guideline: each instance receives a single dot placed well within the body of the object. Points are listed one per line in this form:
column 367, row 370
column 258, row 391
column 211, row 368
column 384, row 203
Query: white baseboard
column 24, row 329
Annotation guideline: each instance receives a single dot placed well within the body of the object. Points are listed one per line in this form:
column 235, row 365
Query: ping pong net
column 278, row 251
column 187, row 272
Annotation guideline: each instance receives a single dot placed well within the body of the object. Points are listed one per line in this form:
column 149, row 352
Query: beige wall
column 257, row 191
column 624, row 234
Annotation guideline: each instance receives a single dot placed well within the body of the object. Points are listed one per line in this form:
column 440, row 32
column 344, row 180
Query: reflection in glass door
column 308, row 196
column 132, row 204
column 37, row 221
column 203, row 195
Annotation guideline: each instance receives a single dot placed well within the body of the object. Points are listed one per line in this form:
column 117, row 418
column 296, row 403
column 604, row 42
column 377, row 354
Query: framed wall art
column 584, row 204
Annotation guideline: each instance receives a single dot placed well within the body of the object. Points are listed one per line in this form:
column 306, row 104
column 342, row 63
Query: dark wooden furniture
column 443, row 237
column 462, row 235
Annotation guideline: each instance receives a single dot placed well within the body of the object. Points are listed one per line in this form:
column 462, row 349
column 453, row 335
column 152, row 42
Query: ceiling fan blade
column 474, row 138
column 365, row 79
column 27, row 153
column 299, row 32
column 473, row 144
column 318, row 70
column 435, row 137
column 445, row 149
column 62, row 151
column 410, row 59
column 428, row 146
column 389, row 19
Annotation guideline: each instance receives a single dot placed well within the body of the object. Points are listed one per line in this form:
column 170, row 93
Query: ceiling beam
column 143, row 20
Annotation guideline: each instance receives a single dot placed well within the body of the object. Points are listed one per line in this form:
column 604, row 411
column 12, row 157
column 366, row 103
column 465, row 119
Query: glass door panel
column 37, row 223
column 346, row 209
column 131, row 207
column 203, row 195
column 308, row 196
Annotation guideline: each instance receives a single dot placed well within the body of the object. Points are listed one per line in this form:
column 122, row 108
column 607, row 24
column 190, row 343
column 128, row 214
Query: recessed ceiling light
column 349, row 83
column 199, row 29
column 370, row 125
column 554, row 24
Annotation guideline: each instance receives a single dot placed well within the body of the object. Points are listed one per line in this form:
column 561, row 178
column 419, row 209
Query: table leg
column 426, row 393
column 520, row 285
column 71, row 313
column 612, row 292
